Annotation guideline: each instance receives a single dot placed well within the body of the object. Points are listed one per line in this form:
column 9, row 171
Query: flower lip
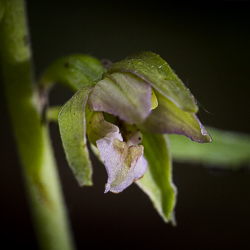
column 124, row 164
column 123, row 160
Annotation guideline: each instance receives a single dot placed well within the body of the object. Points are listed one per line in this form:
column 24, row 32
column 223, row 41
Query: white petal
column 124, row 164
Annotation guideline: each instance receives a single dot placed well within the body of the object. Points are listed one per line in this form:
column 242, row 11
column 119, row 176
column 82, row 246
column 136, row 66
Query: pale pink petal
column 124, row 164
column 124, row 95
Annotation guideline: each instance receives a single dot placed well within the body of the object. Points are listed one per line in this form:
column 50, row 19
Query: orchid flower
column 132, row 95
column 126, row 115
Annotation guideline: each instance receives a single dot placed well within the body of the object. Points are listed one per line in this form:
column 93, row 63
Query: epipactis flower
column 147, row 95
column 126, row 115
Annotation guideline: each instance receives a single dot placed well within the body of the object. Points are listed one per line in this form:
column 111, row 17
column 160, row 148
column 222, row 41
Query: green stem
column 39, row 169
column 52, row 113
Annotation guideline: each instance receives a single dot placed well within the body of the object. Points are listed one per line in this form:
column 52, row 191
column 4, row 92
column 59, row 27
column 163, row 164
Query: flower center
column 130, row 132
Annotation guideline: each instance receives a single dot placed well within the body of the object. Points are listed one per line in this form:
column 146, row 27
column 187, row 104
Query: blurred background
column 208, row 47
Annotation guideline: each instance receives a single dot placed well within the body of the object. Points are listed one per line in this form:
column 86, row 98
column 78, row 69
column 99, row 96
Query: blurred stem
column 52, row 113
column 33, row 142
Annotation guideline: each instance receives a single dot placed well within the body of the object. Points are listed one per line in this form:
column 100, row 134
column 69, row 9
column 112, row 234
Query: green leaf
column 72, row 125
column 157, row 182
column 153, row 69
column 229, row 150
column 75, row 71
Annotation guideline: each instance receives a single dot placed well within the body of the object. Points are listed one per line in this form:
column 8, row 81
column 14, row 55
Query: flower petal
column 124, row 95
column 154, row 101
column 154, row 70
column 124, row 164
column 167, row 118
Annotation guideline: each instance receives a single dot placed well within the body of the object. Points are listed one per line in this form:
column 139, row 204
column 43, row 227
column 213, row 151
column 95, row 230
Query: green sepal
column 72, row 125
column 168, row 119
column 154, row 70
column 229, row 150
column 157, row 181
column 74, row 71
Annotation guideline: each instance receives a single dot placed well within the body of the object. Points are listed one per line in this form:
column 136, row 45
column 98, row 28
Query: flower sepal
column 72, row 125
column 154, row 70
column 74, row 71
column 169, row 119
column 157, row 182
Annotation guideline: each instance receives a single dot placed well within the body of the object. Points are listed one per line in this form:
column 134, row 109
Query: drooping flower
column 127, row 91
column 125, row 115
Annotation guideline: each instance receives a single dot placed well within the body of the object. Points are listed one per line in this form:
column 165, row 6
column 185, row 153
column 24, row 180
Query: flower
column 126, row 115
column 139, row 93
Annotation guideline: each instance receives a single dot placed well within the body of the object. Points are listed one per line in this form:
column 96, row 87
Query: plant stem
column 33, row 142
column 52, row 113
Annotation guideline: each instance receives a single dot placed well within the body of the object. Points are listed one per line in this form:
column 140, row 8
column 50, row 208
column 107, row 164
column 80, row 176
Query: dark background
column 208, row 46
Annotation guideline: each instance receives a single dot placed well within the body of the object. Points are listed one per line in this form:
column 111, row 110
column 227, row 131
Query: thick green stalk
column 33, row 142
